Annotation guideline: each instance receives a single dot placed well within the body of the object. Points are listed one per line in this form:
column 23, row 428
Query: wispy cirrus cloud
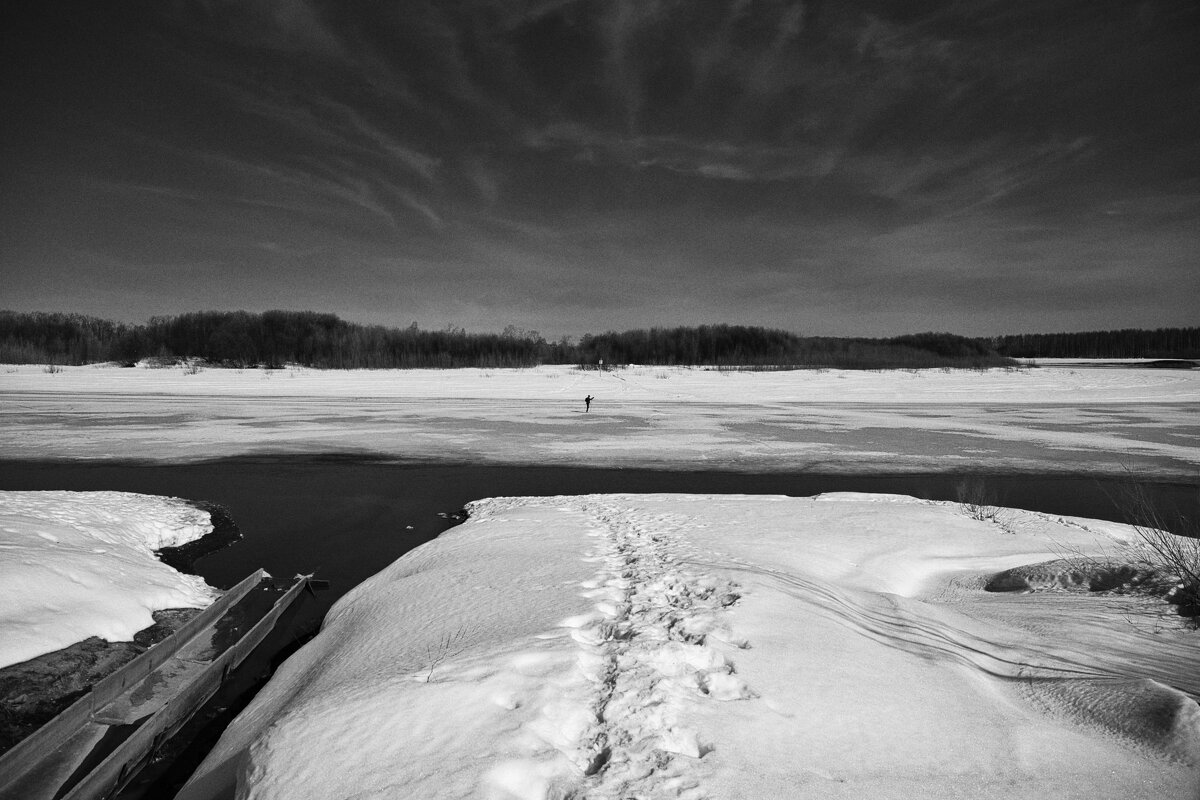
column 289, row 25
column 776, row 158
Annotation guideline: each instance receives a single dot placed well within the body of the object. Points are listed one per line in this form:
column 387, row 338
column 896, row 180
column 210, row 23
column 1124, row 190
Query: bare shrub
column 977, row 499
column 1170, row 544
column 451, row 644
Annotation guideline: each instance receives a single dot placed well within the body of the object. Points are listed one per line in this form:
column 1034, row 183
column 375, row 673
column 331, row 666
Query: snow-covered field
column 664, row 646
column 81, row 564
column 1046, row 419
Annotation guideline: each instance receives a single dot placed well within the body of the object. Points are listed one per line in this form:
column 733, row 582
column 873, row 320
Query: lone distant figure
column 587, row 404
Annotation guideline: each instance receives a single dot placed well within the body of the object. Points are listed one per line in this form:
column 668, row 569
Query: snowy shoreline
column 692, row 646
column 83, row 564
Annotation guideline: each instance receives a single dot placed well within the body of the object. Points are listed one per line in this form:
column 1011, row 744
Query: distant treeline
column 734, row 345
column 276, row 338
column 273, row 338
column 1125, row 343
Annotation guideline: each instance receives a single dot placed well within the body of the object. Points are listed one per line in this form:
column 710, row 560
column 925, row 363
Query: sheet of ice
column 1047, row 419
column 683, row 384
column 664, row 646
column 80, row 564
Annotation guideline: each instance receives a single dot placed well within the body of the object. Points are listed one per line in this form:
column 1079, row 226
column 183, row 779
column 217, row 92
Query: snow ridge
column 649, row 651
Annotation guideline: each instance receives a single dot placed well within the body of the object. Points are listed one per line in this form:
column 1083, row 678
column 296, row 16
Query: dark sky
column 842, row 168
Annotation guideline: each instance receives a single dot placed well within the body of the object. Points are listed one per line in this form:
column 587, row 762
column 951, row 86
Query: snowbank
column 682, row 384
column 1049, row 419
column 81, row 564
column 663, row 646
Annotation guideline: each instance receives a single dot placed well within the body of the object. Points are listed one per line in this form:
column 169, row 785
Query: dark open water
column 346, row 519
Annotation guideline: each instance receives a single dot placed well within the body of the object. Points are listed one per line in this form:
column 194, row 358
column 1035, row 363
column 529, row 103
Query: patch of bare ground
column 34, row 691
column 1142, row 579
column 1076, row 574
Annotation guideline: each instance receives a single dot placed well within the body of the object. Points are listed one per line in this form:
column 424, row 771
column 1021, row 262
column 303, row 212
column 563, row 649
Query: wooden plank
column 46, row 781
column 255, row 635
column 135, row 671
column 124, row 762
column 54, row 734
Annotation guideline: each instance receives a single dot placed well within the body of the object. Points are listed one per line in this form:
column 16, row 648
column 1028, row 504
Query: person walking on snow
column 587, row 404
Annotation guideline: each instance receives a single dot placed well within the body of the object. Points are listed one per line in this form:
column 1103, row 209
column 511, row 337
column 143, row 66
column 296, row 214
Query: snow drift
column 663, row 646
column 82, row 564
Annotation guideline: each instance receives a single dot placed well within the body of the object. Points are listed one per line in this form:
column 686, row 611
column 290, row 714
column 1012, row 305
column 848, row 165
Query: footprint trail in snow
column 657, row 643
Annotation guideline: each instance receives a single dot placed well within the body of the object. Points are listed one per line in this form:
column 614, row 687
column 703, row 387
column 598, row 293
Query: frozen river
column 1047, row 420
